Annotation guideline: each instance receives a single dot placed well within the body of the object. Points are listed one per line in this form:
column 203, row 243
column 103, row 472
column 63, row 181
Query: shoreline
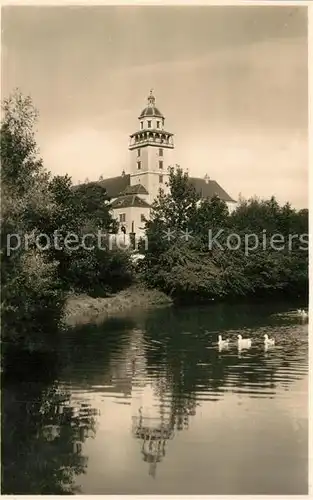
column 81, row 309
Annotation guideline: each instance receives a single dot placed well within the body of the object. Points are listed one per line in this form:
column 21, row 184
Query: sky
column 231, row 82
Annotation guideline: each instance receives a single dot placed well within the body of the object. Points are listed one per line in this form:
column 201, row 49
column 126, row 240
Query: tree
column 255, row 215
column 95, row 206
column 20, row 166
column 192, row 270
column 211, row 215
column 100, row 269
column 31, row 295
column 171, row 214
column 178, row 207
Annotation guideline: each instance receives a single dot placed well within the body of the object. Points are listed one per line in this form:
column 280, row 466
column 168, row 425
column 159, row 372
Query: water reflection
column 151, row 425
column 150, row 392
column 153, row 432
column 43, row 434
column 268, row 347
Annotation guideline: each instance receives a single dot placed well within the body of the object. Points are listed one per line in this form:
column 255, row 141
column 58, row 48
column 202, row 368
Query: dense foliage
column 44, row 220
column 94, row 266
column 31, row 290
column 198, row 251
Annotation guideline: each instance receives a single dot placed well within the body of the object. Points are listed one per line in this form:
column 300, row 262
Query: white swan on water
column 268, row 341
column 302, row 313
column 222, row 343
column 244, row 343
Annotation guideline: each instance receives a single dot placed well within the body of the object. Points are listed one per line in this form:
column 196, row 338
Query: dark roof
column 151, row 111
column 129, row 200
column 137, row 189
column 209, row 189
column 115, row 185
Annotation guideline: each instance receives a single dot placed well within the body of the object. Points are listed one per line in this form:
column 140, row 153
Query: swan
column 244, row 343
column 222, row 343
column 302, row 313
column 268, row 341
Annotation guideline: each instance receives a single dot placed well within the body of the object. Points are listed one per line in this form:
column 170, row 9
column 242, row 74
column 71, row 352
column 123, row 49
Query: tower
column 150, row 149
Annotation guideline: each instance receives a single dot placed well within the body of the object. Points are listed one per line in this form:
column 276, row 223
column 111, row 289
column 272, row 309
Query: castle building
column 151, row 148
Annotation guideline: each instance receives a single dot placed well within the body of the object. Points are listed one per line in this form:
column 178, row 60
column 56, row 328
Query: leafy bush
column 194, row 271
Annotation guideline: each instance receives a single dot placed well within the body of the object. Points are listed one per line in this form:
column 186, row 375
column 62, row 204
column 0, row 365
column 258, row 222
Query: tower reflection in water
column 156, row 411
column 153, row 432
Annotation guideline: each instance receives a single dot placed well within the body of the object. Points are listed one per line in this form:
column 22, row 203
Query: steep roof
column 209, row 189
column 129, row 200
column 136, row 189
column 115, row 185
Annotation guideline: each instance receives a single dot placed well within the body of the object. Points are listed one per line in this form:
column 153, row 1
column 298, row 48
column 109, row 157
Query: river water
column 147, row 404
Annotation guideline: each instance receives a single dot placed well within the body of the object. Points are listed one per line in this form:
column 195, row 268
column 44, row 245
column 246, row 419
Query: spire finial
column 206, row 178
column 151, row 98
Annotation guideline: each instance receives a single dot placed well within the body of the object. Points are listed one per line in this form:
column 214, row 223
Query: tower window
column 149, row 124
column 160, row 164
column 160, row 152
column 158, row 124
column 141, row 125
column 160, row 179
column 138, row 152
column 139, row 165
column 122, row 217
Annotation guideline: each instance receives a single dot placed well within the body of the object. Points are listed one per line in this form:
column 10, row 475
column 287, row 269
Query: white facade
column 231, row 205
column 149, row 167
column 132, row 218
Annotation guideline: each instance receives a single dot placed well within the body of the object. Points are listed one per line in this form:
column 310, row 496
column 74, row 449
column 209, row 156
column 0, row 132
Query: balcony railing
column 152, row 138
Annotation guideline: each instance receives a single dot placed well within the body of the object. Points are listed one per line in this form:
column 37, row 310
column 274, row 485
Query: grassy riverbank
column 82, row 309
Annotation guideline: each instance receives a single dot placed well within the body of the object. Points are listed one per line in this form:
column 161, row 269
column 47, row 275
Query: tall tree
column 30, row 287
